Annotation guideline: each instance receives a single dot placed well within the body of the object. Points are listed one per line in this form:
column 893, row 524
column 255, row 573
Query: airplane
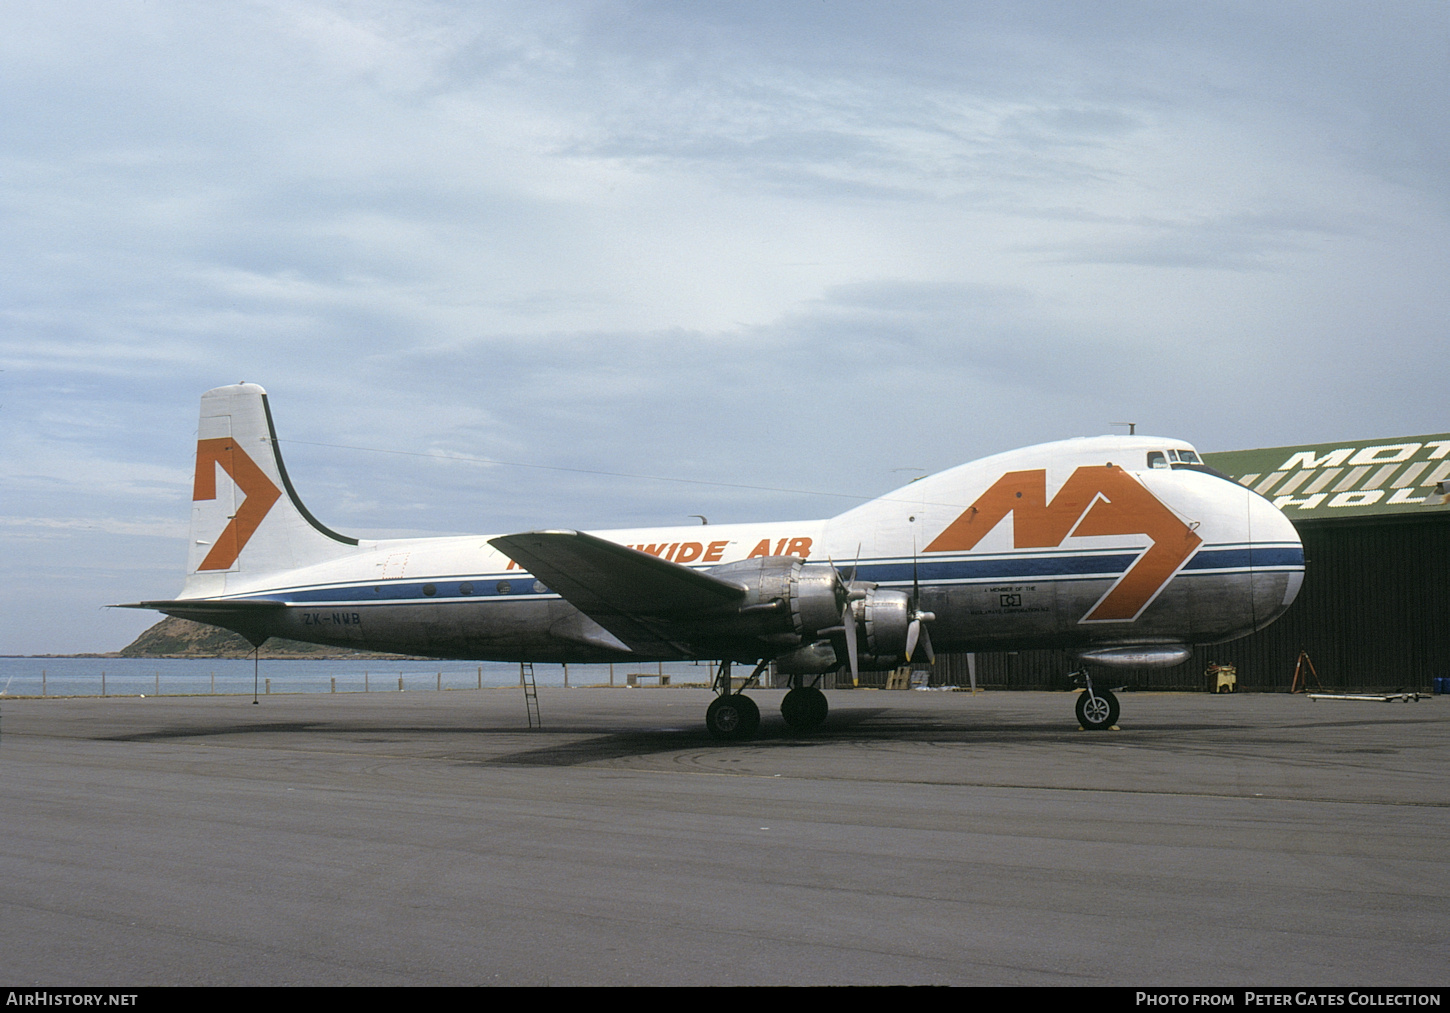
column 1125, row 550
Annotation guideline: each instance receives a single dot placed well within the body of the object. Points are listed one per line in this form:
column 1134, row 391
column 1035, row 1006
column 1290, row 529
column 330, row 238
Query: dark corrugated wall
column 1374, row 613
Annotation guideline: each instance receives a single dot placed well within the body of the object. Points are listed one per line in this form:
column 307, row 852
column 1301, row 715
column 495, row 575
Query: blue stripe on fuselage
column 997, row 568
column 1076, row 565
column 513, row 586
column 1031, row 566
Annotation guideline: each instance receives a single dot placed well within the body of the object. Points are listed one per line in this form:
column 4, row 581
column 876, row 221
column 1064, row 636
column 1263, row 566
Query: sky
column 503, row 266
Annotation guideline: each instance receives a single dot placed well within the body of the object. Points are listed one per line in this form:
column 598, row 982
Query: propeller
column 848, row 620
column 848, row 596
column 916, row 631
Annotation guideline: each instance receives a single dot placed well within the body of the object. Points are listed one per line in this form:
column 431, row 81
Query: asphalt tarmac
column 919, row 838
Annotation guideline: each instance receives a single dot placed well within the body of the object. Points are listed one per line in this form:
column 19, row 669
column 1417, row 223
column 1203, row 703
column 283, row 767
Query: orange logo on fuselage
column 1096, row 500
column 259, row 490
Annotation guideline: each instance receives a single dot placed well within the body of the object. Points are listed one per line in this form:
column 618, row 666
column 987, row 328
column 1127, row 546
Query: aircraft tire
column 804, row 709
column 733, row 718
column 1097, row 715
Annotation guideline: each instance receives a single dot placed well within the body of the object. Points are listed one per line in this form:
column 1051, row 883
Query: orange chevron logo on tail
column 259, row 490
column 1095, row 500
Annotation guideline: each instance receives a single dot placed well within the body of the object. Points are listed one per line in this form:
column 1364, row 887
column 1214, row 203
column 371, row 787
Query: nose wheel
column 1097, row 709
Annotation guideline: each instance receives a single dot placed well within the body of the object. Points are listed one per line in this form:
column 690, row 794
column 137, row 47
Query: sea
column 52, row 676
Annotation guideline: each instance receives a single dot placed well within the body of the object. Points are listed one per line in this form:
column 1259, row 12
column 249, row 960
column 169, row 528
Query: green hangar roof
column 1402, row 477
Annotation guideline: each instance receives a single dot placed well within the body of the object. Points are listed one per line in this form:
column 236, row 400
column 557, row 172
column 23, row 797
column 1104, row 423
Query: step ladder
column 531, row 694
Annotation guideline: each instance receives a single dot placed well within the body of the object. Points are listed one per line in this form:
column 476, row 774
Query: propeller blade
column 843, row 590
column 915, row 585
column 839, row 586
column 916, row 632
column 848, row 620
column 926, row 645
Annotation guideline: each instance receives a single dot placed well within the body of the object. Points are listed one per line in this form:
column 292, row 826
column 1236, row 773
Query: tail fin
column 246, row 519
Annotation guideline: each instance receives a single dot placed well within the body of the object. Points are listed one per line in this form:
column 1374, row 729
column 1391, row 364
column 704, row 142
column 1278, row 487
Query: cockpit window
column 1188, row 460
column 1156, row 459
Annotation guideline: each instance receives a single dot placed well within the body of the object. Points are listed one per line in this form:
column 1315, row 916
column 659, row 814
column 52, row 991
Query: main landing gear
column 804, row 707
column 733, row 717
column 1097, row 709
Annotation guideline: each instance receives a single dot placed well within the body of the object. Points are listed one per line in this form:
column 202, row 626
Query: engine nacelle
column 793, row 612
column 882, row 619
column 788, row 603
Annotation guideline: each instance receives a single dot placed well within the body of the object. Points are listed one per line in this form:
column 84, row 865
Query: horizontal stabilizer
column 204, row 605
column 245, row 616
column 635, row 596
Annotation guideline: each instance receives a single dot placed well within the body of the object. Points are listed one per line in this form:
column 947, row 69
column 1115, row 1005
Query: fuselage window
column 502, row 587
column 466, row 587
column 430, row 590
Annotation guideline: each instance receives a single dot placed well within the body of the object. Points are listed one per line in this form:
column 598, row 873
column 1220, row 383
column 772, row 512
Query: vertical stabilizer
column 246, row 519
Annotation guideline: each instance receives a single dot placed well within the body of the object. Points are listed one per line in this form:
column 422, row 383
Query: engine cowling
column 788, row 602
column 794, row 612
column 884, row 617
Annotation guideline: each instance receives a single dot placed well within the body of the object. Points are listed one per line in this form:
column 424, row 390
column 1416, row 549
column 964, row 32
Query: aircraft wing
column 638, row 597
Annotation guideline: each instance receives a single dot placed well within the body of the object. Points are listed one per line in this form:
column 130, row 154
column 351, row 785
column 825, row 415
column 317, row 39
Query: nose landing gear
column 1097, row 709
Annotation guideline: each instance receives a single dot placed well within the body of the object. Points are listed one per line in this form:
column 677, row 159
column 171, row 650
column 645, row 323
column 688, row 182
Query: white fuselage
column 1075, row 544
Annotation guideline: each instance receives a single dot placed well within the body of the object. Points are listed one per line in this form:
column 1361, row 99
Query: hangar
column 1374, row 611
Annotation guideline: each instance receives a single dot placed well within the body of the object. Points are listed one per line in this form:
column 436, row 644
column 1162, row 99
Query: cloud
column 795, row 246
column 51, row 528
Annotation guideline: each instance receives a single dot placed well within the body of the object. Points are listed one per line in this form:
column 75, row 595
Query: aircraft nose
column 1277, row 559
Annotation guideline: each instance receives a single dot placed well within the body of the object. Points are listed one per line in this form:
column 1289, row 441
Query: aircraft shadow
column 573, row 744
column 864, row 726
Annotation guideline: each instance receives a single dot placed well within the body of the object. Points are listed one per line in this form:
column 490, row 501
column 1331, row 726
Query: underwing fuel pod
column 1125, row 550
